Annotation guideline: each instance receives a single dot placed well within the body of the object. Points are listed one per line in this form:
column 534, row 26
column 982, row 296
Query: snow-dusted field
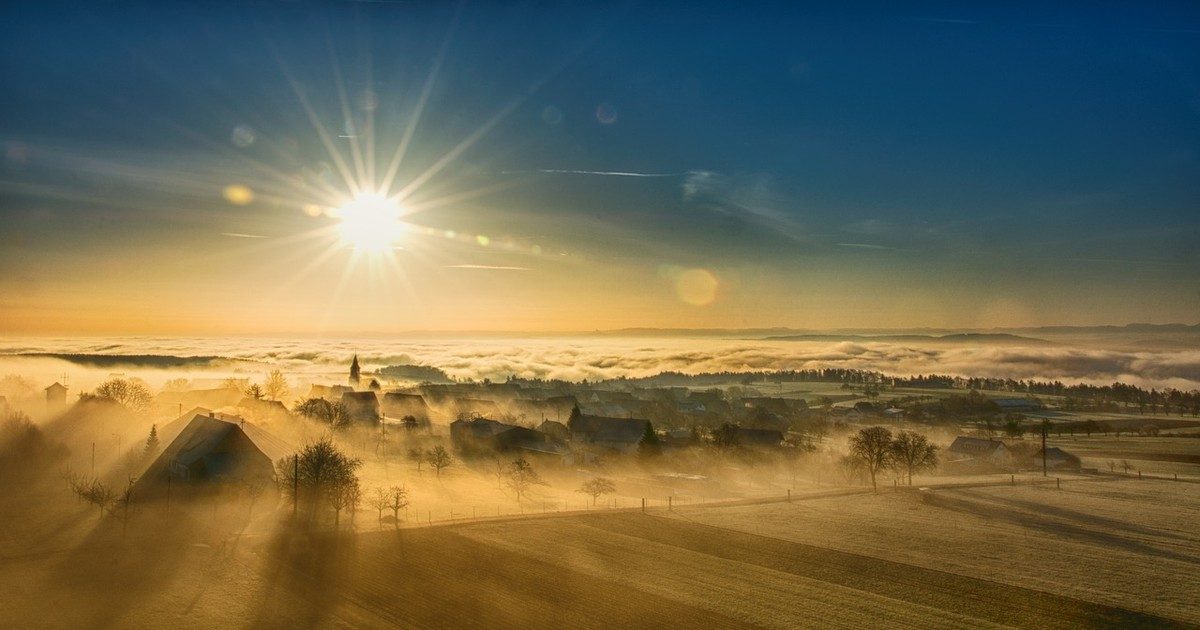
column 1101, row 551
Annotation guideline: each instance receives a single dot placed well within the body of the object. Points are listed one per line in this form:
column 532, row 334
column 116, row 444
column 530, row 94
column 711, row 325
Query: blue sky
column 947, row 164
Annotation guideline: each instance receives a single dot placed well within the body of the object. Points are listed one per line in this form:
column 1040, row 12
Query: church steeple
column 354, row 372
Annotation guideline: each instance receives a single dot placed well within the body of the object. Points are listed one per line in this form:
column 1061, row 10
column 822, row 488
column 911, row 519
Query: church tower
column 354, row 379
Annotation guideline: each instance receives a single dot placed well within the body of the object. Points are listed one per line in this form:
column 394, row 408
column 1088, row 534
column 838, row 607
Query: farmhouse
column 362, row 406
column 1057, row 459
column 976, row 453
column 759, row 437
column 400, row 404
column 210, row 449
column 332, row 393
column 482, row 436
column 621, row 434
column 263, row 409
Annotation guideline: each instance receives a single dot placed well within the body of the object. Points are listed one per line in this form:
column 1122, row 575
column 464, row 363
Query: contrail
column 241, row 235
column 495, row 267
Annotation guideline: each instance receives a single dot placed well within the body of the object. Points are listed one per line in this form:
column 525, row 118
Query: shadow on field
column 303, row 571
column 437, row 578
column 1084, row 517
column 991, row 511
column 101, row 578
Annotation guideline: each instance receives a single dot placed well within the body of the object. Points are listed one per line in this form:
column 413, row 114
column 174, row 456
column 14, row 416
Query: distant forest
column 1077, row 397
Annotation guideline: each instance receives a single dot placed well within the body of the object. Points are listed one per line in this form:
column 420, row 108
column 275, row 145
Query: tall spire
column 354, row 371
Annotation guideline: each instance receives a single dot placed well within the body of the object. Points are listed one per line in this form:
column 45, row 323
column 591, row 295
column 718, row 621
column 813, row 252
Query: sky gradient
column 178, row 170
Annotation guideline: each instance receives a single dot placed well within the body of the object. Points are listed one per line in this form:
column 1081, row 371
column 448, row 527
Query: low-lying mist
column 157, row 360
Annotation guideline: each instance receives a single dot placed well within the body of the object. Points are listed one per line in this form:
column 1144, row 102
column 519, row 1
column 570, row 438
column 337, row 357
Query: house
column 400, row 404
column 1057, row 459
column 362, row 406
column 621, row 434
column 56, row 396
column 466, row 407
column 970, row 452
column 555, row 429
column 332, row 393
column 483, row 435
column 759, row 437
column 208, row 450
column 262, row 408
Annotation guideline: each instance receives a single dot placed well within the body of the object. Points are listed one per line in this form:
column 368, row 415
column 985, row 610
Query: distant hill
column 992, row 338
column 129, row 360
column 416, row 373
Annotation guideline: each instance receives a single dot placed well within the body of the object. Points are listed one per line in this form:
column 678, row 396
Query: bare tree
column 380, row 500
column 316, row 473
column 132, row 393
column 345, row 494
column 334, row 414
column 416, row 456
column 276, row 386
column 438, row 459
column 397, row 500
column 794, row 449
column 913, row 453
column 500, row 470
column 254, row 391
column 95, row 492
column 873, row 447
column 522, row 476
column 597, row 486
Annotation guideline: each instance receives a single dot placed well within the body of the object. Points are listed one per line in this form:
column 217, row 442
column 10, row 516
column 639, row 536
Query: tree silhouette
column 522, row 476
column 334, row 414
column 872, row 447
column 725, row 436
column 397, row 500
column 649, row 445
column 276, row 386
column 438, row 459
column 317, row 473
column 913, row 452
column 131, row 393
column 151, row 441
column 597, row 486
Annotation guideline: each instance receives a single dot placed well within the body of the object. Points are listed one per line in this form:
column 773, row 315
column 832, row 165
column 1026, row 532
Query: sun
column 370, row 222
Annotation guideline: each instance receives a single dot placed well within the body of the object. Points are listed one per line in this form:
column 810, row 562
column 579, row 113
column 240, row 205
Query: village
column 633, row 440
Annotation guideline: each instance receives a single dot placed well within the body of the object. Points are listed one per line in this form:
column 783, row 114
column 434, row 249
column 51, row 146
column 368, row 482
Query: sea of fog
column 87, row 361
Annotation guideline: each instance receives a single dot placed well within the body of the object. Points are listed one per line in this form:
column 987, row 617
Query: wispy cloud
column 491, row 267
column 241, row 235
column 873, row 246
column 559, row 171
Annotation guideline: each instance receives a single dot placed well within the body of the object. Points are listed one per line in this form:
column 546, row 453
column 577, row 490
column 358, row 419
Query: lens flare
column 238, row 194
column 370, row 223
column 697, row 287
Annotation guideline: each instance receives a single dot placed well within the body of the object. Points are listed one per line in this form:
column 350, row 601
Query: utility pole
column 295, row 483
column 1045, row 423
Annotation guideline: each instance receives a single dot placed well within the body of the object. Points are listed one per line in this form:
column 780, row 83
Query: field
column 984, row 556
